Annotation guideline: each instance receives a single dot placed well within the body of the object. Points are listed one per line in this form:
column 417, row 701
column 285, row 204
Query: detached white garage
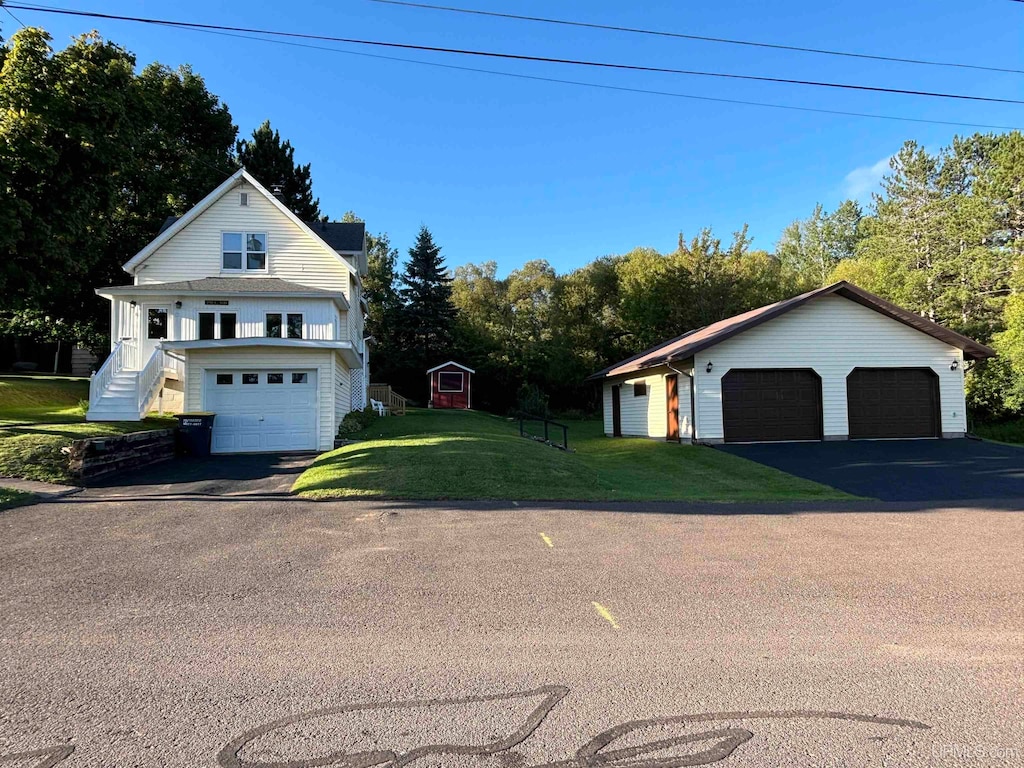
column 836, row 363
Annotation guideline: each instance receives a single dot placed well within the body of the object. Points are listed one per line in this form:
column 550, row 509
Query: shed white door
column 262, row 410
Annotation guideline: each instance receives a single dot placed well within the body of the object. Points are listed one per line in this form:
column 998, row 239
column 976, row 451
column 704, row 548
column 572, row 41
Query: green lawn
column 467, row 455
column 12, row 498
column 40, row 415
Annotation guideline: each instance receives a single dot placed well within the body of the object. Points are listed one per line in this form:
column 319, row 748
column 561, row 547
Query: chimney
column 276, row 189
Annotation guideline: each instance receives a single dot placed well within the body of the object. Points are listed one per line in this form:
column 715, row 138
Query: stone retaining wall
column 101, row 456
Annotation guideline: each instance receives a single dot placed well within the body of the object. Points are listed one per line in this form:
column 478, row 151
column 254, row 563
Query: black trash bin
column 195, row 433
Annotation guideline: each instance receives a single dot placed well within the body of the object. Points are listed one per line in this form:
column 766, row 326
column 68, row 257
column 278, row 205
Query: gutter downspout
column 693, row 415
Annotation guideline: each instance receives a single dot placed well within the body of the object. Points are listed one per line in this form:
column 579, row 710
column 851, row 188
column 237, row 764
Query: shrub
column 357, row 421
column 532, row 399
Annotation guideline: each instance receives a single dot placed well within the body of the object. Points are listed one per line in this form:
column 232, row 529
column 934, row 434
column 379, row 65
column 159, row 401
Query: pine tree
column 428, row 315
column 272, row 162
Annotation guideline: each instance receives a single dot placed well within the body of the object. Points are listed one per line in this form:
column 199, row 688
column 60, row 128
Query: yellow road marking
column 605, row 614
column 547, row 540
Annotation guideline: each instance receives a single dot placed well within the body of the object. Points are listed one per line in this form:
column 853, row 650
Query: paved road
column 219, row 631
column 901, row 470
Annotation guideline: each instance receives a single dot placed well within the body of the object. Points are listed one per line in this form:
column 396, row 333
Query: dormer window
column 244, row 251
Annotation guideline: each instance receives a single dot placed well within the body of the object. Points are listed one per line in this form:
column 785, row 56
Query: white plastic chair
column 378, row 406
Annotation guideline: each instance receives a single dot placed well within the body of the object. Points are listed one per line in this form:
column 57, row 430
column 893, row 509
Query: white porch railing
column 132, row 360
column 100, row 380
column 176, row 363
column 149, row 380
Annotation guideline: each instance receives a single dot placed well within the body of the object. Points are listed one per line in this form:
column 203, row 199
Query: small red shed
column 451, row 385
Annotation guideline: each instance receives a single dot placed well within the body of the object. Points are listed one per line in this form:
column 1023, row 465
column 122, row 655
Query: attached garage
column 835, row 363
column 766, row 405
column 263, row 410
column 893, row 403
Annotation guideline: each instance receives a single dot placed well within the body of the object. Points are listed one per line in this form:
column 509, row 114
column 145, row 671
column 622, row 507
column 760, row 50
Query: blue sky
column 512, row 170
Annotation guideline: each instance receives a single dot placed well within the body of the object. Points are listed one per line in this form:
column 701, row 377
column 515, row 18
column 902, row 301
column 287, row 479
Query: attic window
column 251, row 245
column 243, row 199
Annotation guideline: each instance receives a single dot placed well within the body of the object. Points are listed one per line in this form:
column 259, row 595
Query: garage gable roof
column 697, row 340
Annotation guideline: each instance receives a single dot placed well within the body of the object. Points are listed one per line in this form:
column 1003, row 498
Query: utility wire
column 682, row 36
column 520, row 57
column 602, row 86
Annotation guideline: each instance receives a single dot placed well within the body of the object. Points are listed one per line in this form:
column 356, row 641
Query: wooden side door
column 672, row 402
column 616, row 412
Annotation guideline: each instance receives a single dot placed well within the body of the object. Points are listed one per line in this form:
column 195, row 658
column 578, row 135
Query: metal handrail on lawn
column 525, row 418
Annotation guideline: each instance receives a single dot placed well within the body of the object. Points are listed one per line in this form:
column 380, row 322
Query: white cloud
column 861, row 182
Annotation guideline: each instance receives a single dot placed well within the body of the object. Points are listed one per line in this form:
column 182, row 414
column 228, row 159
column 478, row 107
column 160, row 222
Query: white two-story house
column 241, row 309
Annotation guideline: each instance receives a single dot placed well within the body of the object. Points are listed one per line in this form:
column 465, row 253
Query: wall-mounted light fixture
column 708, row 367
column 177, row 305
column 954, row 365
column 133, row 302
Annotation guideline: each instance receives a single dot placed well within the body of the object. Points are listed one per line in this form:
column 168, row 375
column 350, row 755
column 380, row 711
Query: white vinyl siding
column 647, row 415
column 831, row 335
column 264, row 359
column 195, row 251
column 342, row 394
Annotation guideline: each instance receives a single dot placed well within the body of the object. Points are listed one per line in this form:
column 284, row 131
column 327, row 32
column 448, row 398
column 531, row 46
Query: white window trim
column 462, row 382
column 284, row 323
column 244, row 269
column 217, row 335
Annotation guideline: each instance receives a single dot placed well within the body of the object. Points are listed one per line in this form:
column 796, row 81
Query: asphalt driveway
column 900, row 470
column 245, row 474
column 230, row 632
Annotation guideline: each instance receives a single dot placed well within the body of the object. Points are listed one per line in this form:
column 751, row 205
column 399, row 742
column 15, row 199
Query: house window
column 449, row 382
column 251, row 245
column 227, row 325
column 156, row 323
column 250, row 378
column 281, row 325
column 640, row 389
column 225, row 378
column 275, row 378
column 216, row 325
column 298, row 378
column 243, row 199
column 207, row 325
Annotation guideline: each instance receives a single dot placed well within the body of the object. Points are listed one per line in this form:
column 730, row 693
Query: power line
column 703, row 38
column 522, row 57
column 602, row 86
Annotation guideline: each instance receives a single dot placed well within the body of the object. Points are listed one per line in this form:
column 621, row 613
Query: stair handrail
column 100, row 380
column 150, row 378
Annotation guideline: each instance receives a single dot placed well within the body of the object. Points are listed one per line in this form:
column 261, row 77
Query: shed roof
column 450, row 362
column 694, row 341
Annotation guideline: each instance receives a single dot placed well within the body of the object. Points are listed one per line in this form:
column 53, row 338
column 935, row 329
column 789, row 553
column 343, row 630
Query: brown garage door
column 893, row 402
column 769, row 404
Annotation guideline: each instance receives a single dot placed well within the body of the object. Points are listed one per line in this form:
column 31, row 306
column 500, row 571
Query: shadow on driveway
column 255, row 474
column 900, row 470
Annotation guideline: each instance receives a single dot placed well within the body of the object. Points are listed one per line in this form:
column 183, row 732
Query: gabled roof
column 344, row 236
column 685, row 346
column 227, row 286
column 172, row 226
column 450, row 362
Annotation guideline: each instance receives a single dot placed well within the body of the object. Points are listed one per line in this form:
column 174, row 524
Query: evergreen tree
column 272, row 162
column 428, row 315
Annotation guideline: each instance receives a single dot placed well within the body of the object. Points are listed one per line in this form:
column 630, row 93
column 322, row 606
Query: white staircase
column 119, row 391
column 119, row 401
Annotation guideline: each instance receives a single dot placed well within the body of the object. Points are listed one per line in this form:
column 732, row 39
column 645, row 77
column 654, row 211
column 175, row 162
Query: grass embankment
column 41, row 415
column 1003, row 432
column 12, row 498
column 467, row 455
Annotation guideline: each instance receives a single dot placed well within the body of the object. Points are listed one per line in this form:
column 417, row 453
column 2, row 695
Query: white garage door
column 262, row 410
